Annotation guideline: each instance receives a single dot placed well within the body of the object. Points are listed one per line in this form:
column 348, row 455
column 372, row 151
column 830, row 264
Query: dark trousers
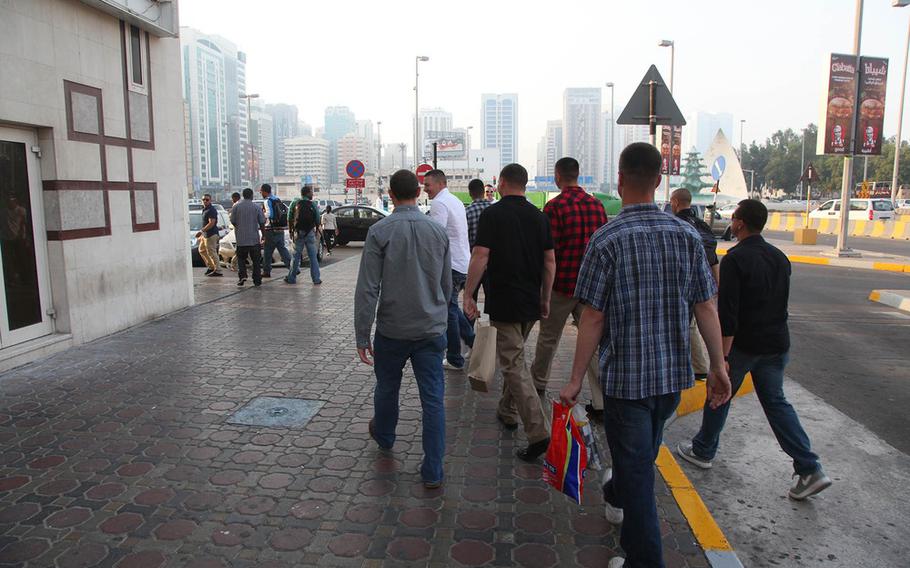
column 634, row 433
column 255, row 256
column 328, row 235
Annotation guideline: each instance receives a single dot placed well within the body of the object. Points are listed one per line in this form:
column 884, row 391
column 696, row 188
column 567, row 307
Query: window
column 858, row 204
column 137, row 64
column 347, row 213
column 882, row 206
column 826, row 206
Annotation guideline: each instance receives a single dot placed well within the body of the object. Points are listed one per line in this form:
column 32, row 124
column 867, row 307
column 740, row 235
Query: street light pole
column 379, row 157
column 417, row 61
column 672, row 45
column 842, row 249
column 900, row 121
column 249, row 132
column 742, row 145
column 612, row 140
column 468, row 142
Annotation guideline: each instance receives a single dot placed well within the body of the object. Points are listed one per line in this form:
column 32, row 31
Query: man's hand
column 718, row 387
column 363, row 352
column 544, row 309
column 569, row 393
column 470, row 307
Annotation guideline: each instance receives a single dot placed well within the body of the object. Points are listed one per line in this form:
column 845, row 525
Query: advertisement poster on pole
column 670, row 149
column 449, row 145
column 873, row 80
column 836, row 124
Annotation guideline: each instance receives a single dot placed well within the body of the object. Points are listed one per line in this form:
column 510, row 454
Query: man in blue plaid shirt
column 641, row 278
column 477, row 206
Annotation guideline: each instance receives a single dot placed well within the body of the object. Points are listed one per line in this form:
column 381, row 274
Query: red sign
column 422, row 170
column 355, row 182
column 873, row 77
column 355, row 169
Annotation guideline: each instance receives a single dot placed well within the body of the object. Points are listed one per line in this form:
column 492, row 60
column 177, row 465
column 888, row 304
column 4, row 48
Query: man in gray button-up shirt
column 405, row 268
column 248, row 219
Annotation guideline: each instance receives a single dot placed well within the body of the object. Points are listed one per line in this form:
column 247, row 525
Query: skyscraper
column 339, row 120
column 350, row 147
column 431, row 120
column 365, row 132
column 214, row 77
column 262, row 140
column 284, row 126
column 499, row 124
column 703, row 127
column 582, row 130
column 308, row 156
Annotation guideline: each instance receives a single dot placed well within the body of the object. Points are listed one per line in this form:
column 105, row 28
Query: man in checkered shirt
column 477, row 206
column 642, row 276
column 574, row 215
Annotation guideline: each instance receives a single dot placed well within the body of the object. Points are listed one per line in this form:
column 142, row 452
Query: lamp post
column 900, row 120
column 468, row 142
column 612, row 139
column 672, row 45
column 249, row 132
column 842, row 249
column 379, row 157
column 417, row 61
column 742, row 145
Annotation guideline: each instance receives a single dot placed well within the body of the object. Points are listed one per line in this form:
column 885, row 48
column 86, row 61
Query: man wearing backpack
column 303, row 220
column 276, row 215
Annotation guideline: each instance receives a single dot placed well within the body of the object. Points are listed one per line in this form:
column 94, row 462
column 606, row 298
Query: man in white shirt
column 449, row 211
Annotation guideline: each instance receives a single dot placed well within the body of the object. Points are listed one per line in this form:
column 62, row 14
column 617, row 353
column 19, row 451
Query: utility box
column 805, row 236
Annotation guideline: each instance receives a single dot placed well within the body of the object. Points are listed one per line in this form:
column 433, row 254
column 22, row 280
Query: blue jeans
column 274, row 240
column 768, row 378
column 307, row 241
column 634, row 432
column 459, row 328
column 426, row 360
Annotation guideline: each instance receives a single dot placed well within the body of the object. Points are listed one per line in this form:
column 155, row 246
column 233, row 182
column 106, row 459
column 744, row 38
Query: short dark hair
column 404, row 185
column 266, row 188
column 207, row 196
column 514, row 175
column 235, row 195
column 567, row 167
column 753, row 214
column 437, row 174
column 328, row 208
column 306, row 190
column 248, row 193
column 682, row 194
column 475, row 188
column 640, row 164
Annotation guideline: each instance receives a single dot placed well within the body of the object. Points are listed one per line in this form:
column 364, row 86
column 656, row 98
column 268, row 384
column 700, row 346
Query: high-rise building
column 431, row 120
column 308, row 156
column 611, row 146
column 583, row 130
column 499, row 124
column 284, row 126
column 350, row 147
column 262, row 141
column 339, row 121
column 702, row 127
column 304, row 129
column 214, row 77
column 365, row 131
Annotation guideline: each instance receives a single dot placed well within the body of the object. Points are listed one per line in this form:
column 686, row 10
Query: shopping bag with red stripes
column 567, row 457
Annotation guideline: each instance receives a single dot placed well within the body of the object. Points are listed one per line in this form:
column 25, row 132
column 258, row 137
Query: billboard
column 670, row 149
column 873, row 80
column 836, row 124
column 449, row 145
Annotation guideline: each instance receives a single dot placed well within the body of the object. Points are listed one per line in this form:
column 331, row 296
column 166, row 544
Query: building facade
column 308, row 158
column 702, row 127
column 339, row 121
column 499, row 125
column 284, row 125
column 583, row 130
column 93, row 171
column 262, row 142
column 431, row 120
column 214, row 77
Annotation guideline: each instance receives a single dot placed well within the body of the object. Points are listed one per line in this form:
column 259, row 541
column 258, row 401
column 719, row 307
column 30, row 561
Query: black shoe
column 317, row 283
column 287, row 281
column 208, row 271
column 216, row 275
column 257, row 284
column 533, row 451
column 594, row 414
column 241, row 282
column 373, row 435
column 266, row 274
column 511, row 426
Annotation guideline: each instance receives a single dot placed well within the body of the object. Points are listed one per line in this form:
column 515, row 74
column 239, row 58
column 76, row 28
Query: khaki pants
column 208, row 250
column 551, row 329
column 698, row 349
column 519, row 398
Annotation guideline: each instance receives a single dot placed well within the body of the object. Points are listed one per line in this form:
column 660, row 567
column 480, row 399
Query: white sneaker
column 448, row 366
column 617, row 562
column 686, row 452
column 613, row 514
column 467, row 354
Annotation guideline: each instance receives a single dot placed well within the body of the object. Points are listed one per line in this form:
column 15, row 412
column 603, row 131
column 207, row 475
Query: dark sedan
column 354, row 221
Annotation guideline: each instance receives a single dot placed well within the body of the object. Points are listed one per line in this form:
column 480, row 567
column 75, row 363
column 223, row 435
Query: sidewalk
column 121, row 453
column 820, row 254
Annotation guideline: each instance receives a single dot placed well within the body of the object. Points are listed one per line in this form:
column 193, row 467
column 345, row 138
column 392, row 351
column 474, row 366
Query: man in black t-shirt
column 208, row 237
column 515, row 248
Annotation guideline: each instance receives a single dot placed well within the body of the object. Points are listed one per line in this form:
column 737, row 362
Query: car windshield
column 195, row 220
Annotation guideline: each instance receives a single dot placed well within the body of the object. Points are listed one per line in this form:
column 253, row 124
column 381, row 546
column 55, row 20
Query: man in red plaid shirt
column 574, row 216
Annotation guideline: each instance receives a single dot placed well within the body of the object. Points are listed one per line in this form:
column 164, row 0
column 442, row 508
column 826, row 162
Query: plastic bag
column 567, row 456
column 581, row 418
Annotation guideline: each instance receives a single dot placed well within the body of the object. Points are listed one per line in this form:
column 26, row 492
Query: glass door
column 25, row 297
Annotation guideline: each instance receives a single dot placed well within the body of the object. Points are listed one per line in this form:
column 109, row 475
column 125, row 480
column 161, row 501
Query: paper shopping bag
column 567, row 456
column 482, row 365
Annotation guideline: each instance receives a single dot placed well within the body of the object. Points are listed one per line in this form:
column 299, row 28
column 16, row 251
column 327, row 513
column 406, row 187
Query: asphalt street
column 884, row 246
column 852, row 353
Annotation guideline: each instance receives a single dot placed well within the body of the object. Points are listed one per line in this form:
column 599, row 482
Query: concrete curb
column 898, row 229
column 899, row 299
column 843, row 262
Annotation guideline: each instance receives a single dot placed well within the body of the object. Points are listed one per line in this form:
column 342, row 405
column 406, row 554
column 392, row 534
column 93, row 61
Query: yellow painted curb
column 890, row 267
column 802, row 259
column 693, row 399
column 704, row 527
column 875, row 296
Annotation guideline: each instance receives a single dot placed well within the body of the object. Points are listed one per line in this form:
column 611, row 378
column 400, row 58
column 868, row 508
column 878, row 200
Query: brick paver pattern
column 118, row 453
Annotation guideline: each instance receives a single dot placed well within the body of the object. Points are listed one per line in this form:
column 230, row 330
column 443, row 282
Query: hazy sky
column 762, row 61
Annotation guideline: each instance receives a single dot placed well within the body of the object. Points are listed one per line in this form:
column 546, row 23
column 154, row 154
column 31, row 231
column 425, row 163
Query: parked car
column 354, row 221
column 224, row 227
column 323, row 203
column 860, row 210
column 903, row 203
column 720, row 226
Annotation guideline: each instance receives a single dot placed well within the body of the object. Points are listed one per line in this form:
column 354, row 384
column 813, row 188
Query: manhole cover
column 277, row 412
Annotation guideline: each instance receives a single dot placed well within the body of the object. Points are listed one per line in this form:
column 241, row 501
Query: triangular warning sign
column 638, row 109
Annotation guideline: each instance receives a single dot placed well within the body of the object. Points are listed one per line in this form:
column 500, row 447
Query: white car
column 903, row 203
column 726, row 212
column 860, row 210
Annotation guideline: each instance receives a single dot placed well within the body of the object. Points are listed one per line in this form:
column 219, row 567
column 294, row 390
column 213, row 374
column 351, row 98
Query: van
column 860, row 210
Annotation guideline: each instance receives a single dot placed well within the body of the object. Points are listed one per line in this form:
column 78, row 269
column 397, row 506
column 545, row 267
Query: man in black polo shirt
column 514, row 246
column 752, row 301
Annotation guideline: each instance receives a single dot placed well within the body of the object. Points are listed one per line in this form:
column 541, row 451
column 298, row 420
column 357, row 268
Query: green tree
column 694, row 172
